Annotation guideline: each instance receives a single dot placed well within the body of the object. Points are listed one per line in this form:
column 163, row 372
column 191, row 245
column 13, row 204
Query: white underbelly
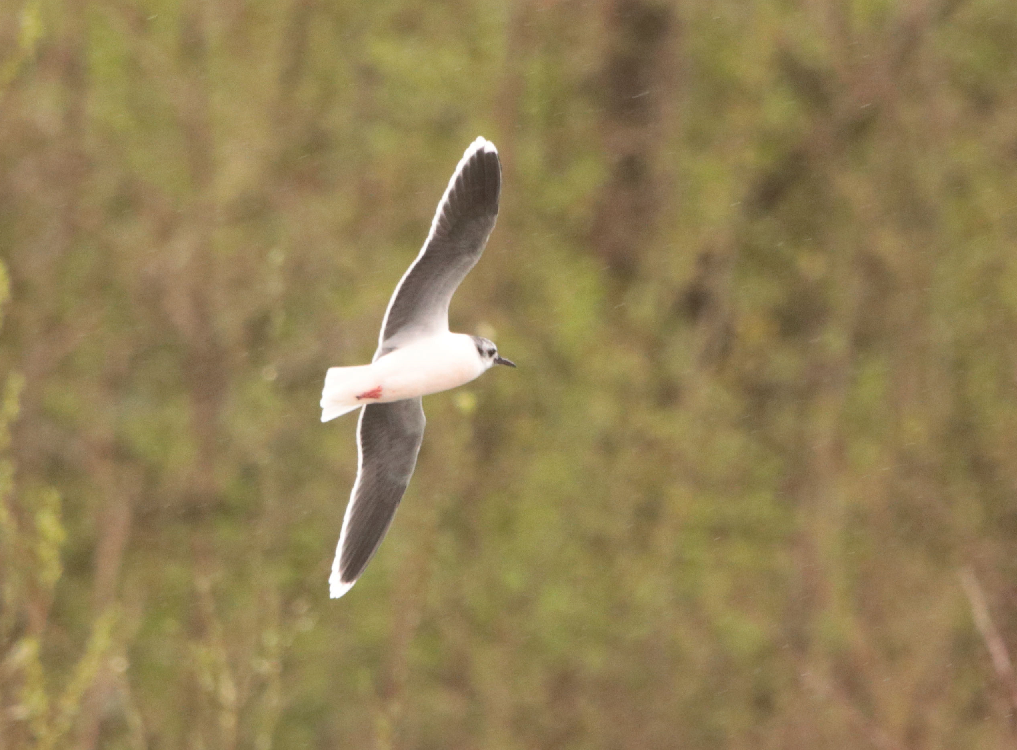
column 429, row 366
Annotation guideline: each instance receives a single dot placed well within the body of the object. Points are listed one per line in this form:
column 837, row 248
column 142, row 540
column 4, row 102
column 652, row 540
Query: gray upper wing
column 459, row 232
column 388, row 439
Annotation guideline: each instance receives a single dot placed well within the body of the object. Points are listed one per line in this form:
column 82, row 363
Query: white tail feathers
column 342, row 385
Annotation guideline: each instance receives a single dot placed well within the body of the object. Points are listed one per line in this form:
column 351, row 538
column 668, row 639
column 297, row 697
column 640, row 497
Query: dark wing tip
column 372, row 512
column 476, row 186
column 490, row 176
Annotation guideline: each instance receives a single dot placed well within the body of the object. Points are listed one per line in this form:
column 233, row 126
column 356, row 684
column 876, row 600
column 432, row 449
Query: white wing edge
column 480, row 144
column 336, row 586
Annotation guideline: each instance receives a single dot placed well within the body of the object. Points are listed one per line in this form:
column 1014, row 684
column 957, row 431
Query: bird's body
column 428, row 365
column 417, row 355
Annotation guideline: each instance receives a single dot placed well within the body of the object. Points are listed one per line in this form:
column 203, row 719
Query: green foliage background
column 752, row 486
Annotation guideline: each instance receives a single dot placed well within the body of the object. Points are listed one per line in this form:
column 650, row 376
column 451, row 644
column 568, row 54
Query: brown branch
column 120, row 488
column 998, row 652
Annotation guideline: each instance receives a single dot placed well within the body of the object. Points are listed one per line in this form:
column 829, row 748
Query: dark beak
column 502, row 361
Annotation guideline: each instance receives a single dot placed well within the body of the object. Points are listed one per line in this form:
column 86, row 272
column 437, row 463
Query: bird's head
column 489, row 353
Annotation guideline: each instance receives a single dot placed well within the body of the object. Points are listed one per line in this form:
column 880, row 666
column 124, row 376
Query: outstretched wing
column 388, row 439
column 459, row 232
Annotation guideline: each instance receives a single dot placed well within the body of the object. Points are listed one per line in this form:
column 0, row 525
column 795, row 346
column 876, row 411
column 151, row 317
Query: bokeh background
column 752, row 486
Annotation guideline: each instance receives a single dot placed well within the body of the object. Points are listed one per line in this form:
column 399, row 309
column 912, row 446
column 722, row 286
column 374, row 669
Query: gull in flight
column 417, row 355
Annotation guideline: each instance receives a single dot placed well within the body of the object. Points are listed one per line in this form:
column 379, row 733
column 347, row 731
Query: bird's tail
column 343, row 385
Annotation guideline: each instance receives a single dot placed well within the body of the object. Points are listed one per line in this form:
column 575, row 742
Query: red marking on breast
column 373, row 393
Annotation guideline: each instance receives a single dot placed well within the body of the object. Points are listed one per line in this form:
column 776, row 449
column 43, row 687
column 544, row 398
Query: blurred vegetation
column 752, row 486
